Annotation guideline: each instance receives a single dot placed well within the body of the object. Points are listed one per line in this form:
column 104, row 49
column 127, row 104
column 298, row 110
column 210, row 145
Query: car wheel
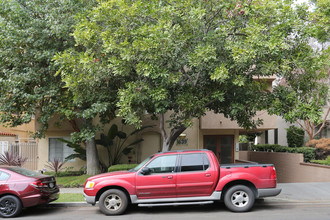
column 239, row 198
column 113, row 202
column 10, row 206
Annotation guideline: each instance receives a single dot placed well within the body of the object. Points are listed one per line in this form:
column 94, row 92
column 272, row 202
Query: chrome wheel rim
column 8, row 207
column 113, row 202
column 240, row 199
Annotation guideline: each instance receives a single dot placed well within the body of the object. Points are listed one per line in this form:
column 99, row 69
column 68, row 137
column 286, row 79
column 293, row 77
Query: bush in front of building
column 322, row 162
column 322, row 147
column 295, row 136
column 120, row 167
column 308, row 152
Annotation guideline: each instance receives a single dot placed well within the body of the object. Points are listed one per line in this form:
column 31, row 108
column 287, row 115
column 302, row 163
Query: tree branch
column 74, row 125
column 195, row 83
column 323, row 124
column 238, row 34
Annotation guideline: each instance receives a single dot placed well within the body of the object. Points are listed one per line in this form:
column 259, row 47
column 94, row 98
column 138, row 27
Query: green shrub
column 269, row 148
column 65, row 173
column 308, row 152
column 120, row 167
column 295, row 136
column 322, row 162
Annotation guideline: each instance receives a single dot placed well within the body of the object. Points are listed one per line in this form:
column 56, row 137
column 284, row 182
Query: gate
column 27, row 150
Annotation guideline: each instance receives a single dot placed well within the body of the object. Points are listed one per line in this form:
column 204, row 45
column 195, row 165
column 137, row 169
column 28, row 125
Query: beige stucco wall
column 10, row 139
column 290, row 167
column 218, row 121
column 23, row 131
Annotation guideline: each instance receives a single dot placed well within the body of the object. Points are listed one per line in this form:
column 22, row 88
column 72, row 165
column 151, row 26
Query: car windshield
column 141, row 164
column 25, row 172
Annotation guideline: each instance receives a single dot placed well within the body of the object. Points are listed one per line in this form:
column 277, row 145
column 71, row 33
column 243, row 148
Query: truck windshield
column 141, row 164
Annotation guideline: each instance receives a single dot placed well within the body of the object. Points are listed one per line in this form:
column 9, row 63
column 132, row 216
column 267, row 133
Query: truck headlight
column 89, row 185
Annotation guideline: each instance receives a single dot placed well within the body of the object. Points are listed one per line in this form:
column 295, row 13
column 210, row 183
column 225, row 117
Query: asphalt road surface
column 263, row 209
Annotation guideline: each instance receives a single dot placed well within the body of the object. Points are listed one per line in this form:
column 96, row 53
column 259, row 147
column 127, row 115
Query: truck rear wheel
column 113, row 202
column 239, row 198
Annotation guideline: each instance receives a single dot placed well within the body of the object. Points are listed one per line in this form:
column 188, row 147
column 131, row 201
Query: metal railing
column 27, row 150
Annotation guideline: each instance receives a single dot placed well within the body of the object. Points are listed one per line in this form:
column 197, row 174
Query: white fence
column 27, row 150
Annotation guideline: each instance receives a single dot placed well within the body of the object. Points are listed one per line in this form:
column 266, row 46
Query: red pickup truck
column 182, row 178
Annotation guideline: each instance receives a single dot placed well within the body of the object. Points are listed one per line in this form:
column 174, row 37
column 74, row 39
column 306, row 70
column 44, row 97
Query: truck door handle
column 170, row 177
column 207, row 174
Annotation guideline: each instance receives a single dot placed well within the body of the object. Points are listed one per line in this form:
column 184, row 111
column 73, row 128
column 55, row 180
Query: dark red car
column 20, row 188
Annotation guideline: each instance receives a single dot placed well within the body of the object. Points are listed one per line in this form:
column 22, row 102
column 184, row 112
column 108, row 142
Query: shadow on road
column 216, row 208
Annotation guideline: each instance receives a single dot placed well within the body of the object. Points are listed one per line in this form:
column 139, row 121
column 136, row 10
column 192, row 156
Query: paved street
column 301, row 201
column 263, row 210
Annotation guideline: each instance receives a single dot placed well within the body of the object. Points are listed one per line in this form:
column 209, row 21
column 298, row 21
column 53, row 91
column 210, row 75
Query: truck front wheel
column 113, row 202
column 239, row 198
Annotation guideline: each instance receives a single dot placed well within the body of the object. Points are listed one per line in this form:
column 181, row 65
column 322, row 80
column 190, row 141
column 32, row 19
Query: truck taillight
column 273, row 174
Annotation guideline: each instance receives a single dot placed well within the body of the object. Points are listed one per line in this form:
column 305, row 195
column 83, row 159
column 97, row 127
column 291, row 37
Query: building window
column 59, row 150
column 276, row 136
column 3, row 147
column 266, row 137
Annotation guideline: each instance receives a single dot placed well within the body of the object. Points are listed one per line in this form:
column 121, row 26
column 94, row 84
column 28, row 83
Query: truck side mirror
column 145, row 171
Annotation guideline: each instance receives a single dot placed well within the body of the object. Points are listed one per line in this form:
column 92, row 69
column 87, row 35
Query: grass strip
column 71, row 197
column 72, row 181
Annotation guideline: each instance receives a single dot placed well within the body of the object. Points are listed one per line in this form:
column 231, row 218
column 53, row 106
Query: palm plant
column 115, row 143
column 12, row 159
column 55, row 165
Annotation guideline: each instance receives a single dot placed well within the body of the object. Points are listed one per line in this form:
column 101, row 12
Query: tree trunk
column 168, row 141
column 93, row 167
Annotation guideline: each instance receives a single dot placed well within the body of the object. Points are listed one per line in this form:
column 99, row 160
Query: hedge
column 120, row 167
column 323, row 162
column 308, row 152
column 295, row 136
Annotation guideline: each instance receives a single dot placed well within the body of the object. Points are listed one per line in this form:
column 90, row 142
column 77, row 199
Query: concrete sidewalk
column 304, row 192
column 291, row 192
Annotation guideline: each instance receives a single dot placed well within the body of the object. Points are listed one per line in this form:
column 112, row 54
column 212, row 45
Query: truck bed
column 244, row 165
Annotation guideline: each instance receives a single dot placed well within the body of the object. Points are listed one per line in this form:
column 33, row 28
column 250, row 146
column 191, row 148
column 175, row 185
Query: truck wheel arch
column 238, row 182
column 102, row 190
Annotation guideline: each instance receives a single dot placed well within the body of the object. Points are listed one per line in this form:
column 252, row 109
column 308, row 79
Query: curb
column 69, row 204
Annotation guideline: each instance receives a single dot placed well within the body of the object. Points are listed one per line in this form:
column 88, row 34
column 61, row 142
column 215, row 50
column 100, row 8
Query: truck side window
column 163, row 164
column 194, row 162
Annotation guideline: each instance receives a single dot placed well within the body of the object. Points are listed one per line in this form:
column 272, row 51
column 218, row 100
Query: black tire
column 113, row 202
column 239, row 198
column 10, row 206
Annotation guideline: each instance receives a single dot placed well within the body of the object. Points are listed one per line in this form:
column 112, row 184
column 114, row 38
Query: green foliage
column 295, row 136
column 72, row 181
column 322, row 162
column 79, row 151
column 185, row 57
column 308, row 152
column 115, row 142
column 12, row 159
column 32, row 32
column 70, row 197
column 55, row 165
column 120, row 167
column 66, row 173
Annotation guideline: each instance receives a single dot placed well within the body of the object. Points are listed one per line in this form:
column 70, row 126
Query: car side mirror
column 145, row 171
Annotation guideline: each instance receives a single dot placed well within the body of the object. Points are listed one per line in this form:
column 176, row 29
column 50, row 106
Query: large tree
column 303, row 93
column 32, row 32
column 187, row 57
